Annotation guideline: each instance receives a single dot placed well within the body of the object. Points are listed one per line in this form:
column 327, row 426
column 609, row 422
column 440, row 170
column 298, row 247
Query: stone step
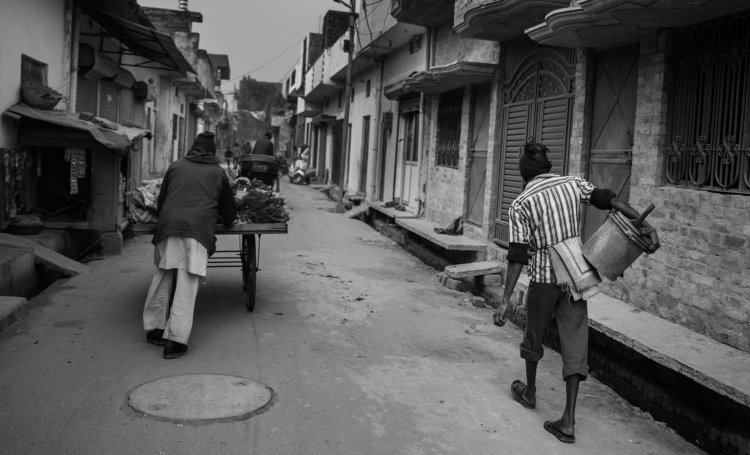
column 473, row 269
column 46, row 256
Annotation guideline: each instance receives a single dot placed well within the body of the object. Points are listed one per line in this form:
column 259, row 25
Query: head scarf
column 533, row 161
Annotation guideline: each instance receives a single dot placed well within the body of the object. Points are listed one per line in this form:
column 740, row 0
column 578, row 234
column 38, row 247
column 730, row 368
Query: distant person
column 264, row 146
column 247, row 148
column 236, row 151
column 195, row 192
column 228, row 157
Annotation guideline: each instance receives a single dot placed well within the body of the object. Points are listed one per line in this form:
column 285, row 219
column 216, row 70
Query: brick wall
column 700, row 278
column 335, row 24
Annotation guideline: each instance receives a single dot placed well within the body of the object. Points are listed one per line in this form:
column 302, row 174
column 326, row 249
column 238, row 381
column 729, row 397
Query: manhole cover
column 201, row 397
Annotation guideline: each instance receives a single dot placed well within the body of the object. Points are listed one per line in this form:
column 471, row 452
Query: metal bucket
column 615, row 246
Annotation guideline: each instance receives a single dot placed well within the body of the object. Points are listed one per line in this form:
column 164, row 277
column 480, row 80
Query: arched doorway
column 537, row 103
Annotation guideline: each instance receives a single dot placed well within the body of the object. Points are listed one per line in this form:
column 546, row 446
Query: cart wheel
column 249, row 268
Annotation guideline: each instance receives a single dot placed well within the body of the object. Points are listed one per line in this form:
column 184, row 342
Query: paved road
column 366, row 351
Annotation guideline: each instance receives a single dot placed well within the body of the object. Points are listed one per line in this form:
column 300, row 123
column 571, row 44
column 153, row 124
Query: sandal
column 498, row 320
column 517, row 388
column 553, row 426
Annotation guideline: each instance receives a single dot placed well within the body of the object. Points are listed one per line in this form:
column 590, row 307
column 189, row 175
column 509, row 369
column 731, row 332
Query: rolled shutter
column 86, row 95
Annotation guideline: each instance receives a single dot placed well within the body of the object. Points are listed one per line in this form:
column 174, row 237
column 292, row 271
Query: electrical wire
column 264, row 64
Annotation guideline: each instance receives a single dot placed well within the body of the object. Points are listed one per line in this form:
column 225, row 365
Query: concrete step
column 473, row 269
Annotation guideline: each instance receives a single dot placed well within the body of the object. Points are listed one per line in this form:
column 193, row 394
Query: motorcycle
column 299, row 173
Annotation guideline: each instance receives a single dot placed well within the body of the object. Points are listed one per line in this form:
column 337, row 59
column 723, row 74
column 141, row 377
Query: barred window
column 709, row 145
column 449, row 128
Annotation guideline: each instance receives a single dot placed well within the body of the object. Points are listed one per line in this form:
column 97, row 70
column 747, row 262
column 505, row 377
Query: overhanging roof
column 142, row 41
column 119, row 140
column 606, row 24
column 442, row 79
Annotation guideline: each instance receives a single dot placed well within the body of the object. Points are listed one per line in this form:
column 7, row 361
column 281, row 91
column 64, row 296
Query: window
column 709, row 146
column 415, row 45
column 33, row 70
column 367, row 88
column 449, row 128
column 294, row 74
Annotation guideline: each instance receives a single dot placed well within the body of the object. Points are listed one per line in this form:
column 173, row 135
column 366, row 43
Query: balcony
column 428, row 13
column 501, row 20
column 318, row 83
column 606, row 24
column 441, row 79
column 380, row 33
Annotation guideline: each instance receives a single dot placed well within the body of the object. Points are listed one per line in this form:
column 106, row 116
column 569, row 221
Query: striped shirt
column 548, row 211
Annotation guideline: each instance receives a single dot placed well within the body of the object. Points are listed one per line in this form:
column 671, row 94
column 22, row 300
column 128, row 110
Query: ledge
column 389, row 211
column 424, row 228
column 714, row 365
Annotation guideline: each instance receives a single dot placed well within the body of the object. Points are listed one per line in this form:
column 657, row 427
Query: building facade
column 638, row 99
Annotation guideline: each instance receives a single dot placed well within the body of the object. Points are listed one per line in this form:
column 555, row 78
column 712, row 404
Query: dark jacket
column 263, row 146
column 194, row 192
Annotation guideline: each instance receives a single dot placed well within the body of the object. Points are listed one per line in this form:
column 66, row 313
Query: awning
column 119, row 140
column 442, row 79
column 142, row 41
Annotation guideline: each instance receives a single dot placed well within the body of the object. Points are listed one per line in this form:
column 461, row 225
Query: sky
column 261, row 37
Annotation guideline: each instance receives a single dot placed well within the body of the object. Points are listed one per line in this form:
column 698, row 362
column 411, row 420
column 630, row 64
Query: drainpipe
column 374, row 181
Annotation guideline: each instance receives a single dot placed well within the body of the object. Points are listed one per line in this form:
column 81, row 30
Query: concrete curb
column 11, row 310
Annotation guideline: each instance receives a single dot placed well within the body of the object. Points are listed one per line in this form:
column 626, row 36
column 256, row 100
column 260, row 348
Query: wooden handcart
column 245, row 256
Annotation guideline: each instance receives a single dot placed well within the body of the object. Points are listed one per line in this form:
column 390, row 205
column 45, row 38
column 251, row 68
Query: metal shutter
column 86, row 95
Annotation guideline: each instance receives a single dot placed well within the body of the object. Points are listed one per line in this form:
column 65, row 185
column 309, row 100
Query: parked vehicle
column 262, row 167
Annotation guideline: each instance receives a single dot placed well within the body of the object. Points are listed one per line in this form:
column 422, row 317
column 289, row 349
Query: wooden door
column 322, row 151
column 365, row 154
column 337, row 152
column 612, row 124
column 479, row 143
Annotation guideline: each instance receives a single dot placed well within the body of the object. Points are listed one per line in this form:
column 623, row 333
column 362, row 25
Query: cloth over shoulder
column 572, row 271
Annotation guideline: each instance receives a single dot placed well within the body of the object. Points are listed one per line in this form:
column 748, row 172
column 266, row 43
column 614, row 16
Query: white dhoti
column 181, row 262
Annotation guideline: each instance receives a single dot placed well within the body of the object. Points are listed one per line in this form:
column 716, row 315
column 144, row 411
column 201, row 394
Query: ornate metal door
column 537, row 105
column 612, row 126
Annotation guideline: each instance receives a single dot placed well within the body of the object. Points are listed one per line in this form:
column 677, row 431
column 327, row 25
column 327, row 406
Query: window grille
column 709, row 144
column 449, row 128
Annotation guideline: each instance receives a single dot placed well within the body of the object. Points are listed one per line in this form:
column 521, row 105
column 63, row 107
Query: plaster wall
column 35, row 28
column 451, row 47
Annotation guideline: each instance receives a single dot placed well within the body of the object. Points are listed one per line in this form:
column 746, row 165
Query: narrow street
column 366, row 352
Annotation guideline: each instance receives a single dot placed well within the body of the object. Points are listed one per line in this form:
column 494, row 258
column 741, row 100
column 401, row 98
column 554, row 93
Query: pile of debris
column 144, row 206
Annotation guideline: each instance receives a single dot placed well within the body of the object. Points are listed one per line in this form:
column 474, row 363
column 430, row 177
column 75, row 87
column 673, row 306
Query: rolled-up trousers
column 177, row 320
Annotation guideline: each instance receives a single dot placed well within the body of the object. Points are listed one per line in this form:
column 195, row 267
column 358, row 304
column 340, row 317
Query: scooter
column 299, row 173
